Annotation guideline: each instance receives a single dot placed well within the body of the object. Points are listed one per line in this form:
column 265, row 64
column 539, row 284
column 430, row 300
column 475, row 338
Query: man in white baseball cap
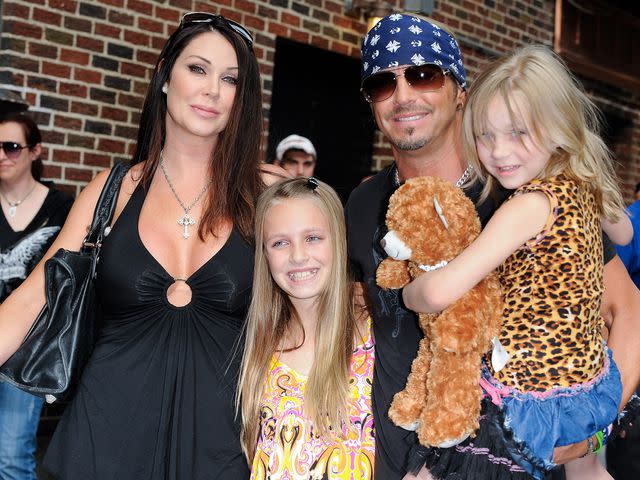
column 297, row 155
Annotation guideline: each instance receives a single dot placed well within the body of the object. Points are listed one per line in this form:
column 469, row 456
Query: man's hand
column 565, row 454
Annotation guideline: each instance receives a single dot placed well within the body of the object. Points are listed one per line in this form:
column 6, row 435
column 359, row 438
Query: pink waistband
column 497, row 391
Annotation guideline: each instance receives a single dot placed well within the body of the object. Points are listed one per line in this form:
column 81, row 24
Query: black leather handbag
column 51, row 358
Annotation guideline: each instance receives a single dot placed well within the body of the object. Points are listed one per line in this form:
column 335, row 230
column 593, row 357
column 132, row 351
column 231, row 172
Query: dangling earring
column 165, row 88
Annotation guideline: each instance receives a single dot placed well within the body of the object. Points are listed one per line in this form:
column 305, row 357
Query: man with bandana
column 414, row 79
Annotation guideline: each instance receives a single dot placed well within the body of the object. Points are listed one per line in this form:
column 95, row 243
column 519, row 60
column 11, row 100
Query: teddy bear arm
column 453, row 406
column 392, row 274
column 408, row 404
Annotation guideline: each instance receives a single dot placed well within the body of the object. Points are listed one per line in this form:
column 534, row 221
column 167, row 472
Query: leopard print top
column 553, row 287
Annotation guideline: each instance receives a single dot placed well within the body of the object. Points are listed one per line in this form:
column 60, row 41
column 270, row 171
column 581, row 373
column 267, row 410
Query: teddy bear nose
column 383, row 243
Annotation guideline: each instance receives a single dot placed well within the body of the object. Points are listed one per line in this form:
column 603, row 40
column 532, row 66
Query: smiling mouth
column 303, row 275
column 508, row 169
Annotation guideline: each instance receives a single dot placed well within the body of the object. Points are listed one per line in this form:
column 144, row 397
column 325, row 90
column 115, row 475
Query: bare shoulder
column 271, row 173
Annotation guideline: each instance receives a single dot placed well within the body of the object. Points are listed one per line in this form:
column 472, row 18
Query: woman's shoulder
column 56, row 197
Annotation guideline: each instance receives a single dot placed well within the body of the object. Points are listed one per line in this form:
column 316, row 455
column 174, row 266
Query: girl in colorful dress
column 529, row 127
column 305, row 385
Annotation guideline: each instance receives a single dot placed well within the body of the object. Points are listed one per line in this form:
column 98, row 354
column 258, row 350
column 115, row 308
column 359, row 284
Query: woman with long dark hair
column 32, row 215
column 174, row 279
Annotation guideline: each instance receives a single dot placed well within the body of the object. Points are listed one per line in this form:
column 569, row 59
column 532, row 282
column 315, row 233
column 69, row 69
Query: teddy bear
column 430, row 221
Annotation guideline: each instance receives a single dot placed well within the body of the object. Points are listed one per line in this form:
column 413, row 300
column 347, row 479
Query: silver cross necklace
column 463, row 178
column 13, row 206
column 186, row 220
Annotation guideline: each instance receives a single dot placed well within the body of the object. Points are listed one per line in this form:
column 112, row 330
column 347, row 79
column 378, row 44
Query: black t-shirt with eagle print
column 21, row 251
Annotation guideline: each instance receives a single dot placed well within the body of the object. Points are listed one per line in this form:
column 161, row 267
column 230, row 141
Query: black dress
column 156, row 399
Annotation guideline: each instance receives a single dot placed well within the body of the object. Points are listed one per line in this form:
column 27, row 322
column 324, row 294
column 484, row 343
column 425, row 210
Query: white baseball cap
column 295, row 142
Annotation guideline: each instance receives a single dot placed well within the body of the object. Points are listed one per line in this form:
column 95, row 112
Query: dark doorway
column 316, row 94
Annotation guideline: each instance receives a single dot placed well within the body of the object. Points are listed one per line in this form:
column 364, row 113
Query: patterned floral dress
column 287, row 448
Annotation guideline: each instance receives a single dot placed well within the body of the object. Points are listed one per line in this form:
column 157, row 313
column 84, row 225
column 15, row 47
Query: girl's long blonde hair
column 271, row 315
column 561, row 118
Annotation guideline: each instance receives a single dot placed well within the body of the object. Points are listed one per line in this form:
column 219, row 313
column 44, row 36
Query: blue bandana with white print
column 399, row 40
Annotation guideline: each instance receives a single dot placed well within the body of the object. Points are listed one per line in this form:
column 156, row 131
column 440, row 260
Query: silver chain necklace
column 463, row 178
column 13, row 206
column 186, row 220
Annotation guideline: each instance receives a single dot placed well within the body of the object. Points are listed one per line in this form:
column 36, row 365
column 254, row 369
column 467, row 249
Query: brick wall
column 84, row 65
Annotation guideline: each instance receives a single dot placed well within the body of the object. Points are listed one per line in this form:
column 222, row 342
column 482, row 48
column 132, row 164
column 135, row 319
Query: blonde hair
column 561, row 119
column 271, row 315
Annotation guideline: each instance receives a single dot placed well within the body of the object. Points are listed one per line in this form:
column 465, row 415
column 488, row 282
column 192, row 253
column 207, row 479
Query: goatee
column 410, row 144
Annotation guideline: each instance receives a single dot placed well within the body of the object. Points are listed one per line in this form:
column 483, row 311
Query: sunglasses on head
column 12, row 149
column 424, row 78
column 204, row 17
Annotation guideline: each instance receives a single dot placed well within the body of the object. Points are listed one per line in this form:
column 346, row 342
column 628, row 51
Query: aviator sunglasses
column 204, row 17
column 12, row 149
column 424, row 78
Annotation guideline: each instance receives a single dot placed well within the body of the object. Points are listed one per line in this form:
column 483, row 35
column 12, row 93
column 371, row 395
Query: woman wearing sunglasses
column 156, row 400
column 31, row 217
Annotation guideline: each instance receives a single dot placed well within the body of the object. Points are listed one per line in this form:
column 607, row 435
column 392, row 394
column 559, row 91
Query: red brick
column 298, row 36
column 334, row 7
column 84, row 108
column 266, row 69
column 108, row 31
column 11, row 9
column 137, row 38
column 253, row 23
column 66, row 5
column 73, row 89
column 68, row 123
column 140, row 87
column 245, row 6
column 42, row 50
column 22, row 29
column 88, row 43
column 66, row 156
column 96, row 160
column 277, row 29
column 340, row 48
column 320, row 42
column 120, row 18
column 140, row 7
column 158, row 42
column 146, row 57
column 56, row 70
column 169, row 14
column 290, row 19
column 342, row 22
column 133, row 69
column 89, row 76
column 51, row 171
column 116, row 114
column 133, row 101
column 113, row 3
column 74, row 56
column 46, row 16
column 78, row 174
column 110, row 146
column 151, row 25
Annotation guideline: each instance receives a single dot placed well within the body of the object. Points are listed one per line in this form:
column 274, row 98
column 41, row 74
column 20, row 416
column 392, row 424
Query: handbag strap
column 106, row 207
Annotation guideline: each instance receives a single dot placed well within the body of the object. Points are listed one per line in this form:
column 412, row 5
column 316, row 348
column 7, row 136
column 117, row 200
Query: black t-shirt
column 396, row 330
column 21, row 251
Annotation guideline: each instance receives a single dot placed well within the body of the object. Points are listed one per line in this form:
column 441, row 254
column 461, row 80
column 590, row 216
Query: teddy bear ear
column 440, row 212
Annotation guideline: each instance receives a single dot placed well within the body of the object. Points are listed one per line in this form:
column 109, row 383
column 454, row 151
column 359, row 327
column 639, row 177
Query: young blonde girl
column 529, row 127
column 305, row 385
